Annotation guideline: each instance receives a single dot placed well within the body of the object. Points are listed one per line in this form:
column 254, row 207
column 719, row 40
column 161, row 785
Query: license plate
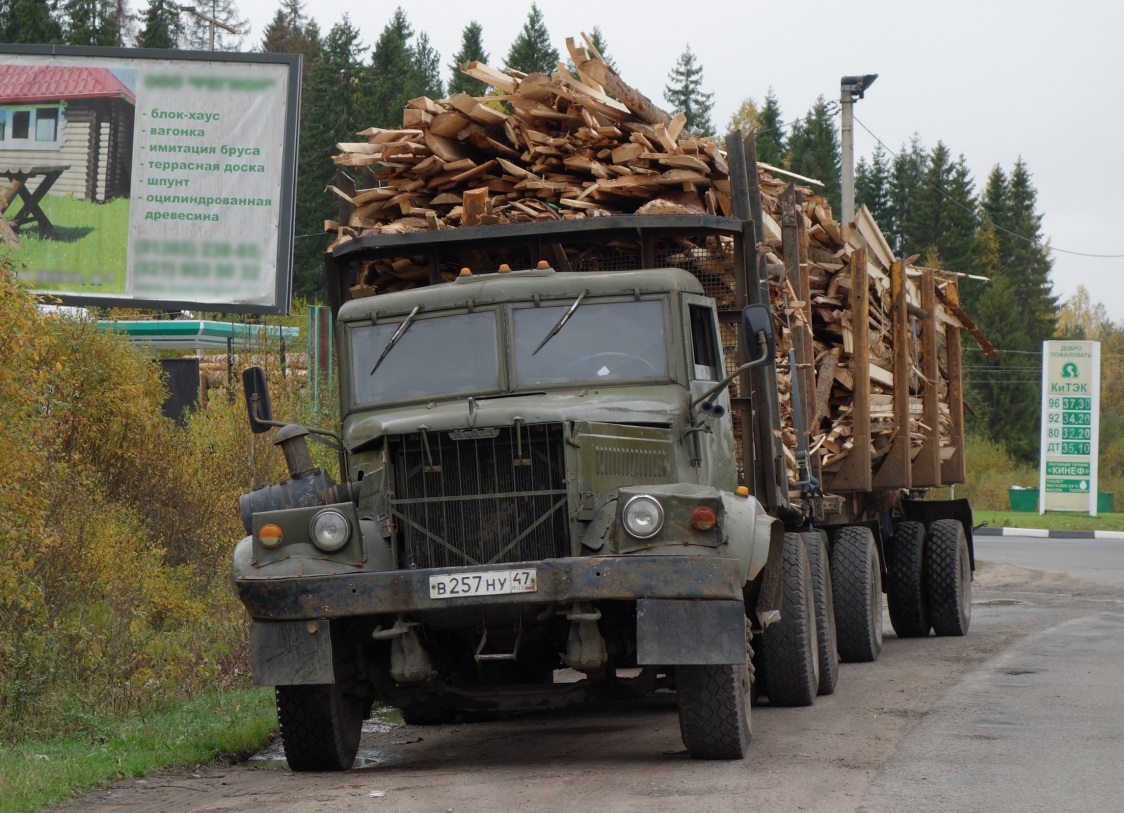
column 492, row 583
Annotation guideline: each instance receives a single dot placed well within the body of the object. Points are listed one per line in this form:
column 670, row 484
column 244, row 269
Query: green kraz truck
column 561, row 482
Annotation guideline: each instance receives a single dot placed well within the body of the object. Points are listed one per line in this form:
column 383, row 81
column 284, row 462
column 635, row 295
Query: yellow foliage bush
column 117, row 524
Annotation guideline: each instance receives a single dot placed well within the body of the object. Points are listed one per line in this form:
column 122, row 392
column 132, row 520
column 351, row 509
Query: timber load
column 869, row 343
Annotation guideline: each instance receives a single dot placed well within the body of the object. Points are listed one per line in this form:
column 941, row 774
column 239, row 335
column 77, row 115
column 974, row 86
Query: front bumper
column 561, row 581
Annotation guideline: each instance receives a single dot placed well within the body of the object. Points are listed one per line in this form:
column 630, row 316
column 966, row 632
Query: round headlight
column 642, row 516
column 330, row 530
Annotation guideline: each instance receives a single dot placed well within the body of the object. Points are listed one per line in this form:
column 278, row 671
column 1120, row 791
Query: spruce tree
column 32, row 22
column 92, row 22
column 942, row 219
column 292, row 32
column 872, row 186
column 392, row 74
column 162, row 26
column 532, row 52
column 684, row 94
column 814, row 150
column 597, row 39
column 334, row 110
column 770, row 135
column 426, row 80
column 906, row 178
column 1016, row 309
column 472, row 50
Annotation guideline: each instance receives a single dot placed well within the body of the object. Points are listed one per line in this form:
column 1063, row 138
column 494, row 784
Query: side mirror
column 256, row 391
column 757, row 335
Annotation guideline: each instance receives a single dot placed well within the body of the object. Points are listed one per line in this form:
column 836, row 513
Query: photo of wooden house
column 74, row 117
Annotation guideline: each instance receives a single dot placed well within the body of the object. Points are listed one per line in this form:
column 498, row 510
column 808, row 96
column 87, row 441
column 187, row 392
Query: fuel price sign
column 1071, row 384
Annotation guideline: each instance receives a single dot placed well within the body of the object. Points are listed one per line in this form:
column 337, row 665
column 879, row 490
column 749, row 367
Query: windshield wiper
column 565, row 317
column 402, row 328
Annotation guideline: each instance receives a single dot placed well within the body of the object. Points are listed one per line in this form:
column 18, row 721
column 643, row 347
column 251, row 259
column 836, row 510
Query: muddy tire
column 816, row 543
column 906, row 587
column 714, row 716
column 790, row 648
column 320, row 726
column 856, row 581
column 949, row 578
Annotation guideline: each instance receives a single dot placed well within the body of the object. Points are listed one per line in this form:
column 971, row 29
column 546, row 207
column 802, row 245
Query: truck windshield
column 448, row 355
column 608, row 341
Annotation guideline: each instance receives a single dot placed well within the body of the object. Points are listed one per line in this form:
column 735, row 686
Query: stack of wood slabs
column 560, row 147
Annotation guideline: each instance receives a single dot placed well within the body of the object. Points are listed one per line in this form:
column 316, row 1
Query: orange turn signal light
column 270, row 535
column 703, row 519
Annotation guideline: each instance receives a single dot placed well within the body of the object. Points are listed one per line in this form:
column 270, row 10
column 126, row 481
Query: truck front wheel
column 320, row 726
column 714, row 710
column 856, row 581
column 949, row 578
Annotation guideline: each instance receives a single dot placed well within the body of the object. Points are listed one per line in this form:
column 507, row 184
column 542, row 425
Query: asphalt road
column 1037, row 727
column 1023, row 714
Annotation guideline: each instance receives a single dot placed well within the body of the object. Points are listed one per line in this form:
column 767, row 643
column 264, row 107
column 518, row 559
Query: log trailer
column 564, row 478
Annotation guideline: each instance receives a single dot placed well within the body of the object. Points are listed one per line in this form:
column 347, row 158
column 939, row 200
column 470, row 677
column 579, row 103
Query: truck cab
column 539, row 474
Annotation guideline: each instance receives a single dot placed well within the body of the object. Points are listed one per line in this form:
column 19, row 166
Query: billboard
column 152, row 179
column 1071, row 395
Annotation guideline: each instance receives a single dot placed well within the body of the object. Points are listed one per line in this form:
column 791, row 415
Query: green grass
column 1053, row 521
column 89, row 245
column 98, row 751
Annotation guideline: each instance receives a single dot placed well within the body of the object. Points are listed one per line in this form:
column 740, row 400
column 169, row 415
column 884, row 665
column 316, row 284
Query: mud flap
column 291, row 653
column 672, row 632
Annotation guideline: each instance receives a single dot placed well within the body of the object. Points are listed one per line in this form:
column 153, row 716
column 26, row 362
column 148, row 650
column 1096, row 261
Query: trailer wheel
column 714, row 708
column 856, row 580
column 816, row 542
column 790, row 650
column 905, row 593
column 949, row 578
column 320, row 726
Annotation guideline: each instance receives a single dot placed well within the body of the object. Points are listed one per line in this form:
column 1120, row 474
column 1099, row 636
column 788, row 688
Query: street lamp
column 851, row 88
column 194, row 11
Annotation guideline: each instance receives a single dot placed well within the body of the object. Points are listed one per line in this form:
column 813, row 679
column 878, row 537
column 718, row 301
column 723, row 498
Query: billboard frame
column 283, row 282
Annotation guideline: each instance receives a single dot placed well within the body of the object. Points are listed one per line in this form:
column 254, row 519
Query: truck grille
column 481, row 496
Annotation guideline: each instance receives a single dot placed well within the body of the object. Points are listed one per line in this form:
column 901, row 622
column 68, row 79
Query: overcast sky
column 993, row 79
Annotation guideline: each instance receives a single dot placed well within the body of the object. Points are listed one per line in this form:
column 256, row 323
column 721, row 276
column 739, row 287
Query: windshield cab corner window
column 704, row 346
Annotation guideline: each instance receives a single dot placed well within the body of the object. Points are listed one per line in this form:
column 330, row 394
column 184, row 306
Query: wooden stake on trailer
column 953, row 469
column 854, row 473
column 894, row 473
column 927, row 463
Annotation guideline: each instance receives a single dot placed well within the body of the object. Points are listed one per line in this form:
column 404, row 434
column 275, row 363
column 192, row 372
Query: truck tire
column 714, row 716
column 320, row 726
column 790, row 648
column 816, row 542
column 905, row 592
column 949, row 578
column 856, row 581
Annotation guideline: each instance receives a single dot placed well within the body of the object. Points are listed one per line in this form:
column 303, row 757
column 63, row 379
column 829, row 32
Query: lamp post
column 210, row 19
column 851, row 88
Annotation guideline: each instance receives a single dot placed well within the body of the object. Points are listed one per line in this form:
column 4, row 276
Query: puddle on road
column 1002, row 602
column 273, row 757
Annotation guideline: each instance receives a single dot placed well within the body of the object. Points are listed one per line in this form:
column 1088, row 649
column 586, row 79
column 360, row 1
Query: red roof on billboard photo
column 49, row 83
